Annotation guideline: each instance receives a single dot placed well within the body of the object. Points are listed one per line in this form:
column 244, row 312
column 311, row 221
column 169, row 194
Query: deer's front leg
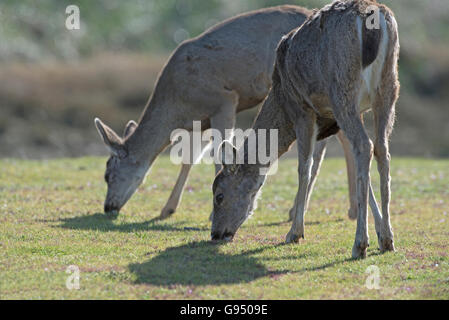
column 176, row 194
column 223, row 121
column 318, row 156
column 305, row 139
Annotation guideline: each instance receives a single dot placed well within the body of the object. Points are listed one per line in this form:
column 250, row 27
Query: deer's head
column 124, row 173
column 235, row 188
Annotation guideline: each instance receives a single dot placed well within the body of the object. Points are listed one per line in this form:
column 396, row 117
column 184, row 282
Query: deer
column 328, row 72
column 211, row 78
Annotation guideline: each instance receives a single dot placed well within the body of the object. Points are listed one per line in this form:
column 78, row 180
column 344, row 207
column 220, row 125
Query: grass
column 50, row 218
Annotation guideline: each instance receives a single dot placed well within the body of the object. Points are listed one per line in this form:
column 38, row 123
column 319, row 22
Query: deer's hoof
column 352, row 213
column 166, row 213
column 386, row 244
column 293, row 238
column 359, row 249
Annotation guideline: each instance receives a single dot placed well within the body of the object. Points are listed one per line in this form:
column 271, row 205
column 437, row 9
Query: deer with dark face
column 209, row 78
column 327, row 73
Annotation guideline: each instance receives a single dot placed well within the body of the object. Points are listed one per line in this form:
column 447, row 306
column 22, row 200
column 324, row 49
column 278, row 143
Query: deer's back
column 332, row 47
column 236, row 55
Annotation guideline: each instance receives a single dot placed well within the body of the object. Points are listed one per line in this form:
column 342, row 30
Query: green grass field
column 51, row 218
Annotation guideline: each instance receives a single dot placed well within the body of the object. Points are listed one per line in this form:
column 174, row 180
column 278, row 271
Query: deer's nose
column 111, row 211
column 228, row 236
column 215, row 236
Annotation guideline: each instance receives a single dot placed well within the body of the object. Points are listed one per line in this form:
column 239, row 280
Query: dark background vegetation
column 53, row 81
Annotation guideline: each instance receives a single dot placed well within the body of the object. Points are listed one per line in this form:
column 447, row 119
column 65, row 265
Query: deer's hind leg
column 346, row 113
column 306, row 132
column 384, row 113
column 350, row 165
column 224, row 122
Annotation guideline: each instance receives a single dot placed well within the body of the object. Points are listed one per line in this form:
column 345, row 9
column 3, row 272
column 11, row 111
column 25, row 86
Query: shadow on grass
column 99, row 222
column 201, row 263
column 307, row 223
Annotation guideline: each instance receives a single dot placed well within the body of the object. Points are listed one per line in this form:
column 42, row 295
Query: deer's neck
column 152, row 135
column 271, row 117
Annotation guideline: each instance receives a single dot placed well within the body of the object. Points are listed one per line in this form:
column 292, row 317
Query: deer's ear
column 228, row 156
column 112, row 141
column 129, row 129
column 227, row 153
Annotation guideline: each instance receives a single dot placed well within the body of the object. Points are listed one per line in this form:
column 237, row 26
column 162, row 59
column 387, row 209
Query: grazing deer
column 327, row 72
column 209, row 78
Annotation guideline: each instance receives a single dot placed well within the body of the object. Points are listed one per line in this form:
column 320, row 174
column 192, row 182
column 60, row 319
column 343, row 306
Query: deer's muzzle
column 218, row 236
column 111, row 211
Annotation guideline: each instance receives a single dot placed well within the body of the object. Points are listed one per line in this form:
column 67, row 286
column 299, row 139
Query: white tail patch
column 372, row 75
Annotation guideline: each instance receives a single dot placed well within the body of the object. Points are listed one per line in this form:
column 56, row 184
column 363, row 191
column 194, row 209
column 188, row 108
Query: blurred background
column 54, row 81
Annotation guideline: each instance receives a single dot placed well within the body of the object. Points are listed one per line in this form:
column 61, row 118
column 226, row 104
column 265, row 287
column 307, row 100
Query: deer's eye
column 219, row 198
